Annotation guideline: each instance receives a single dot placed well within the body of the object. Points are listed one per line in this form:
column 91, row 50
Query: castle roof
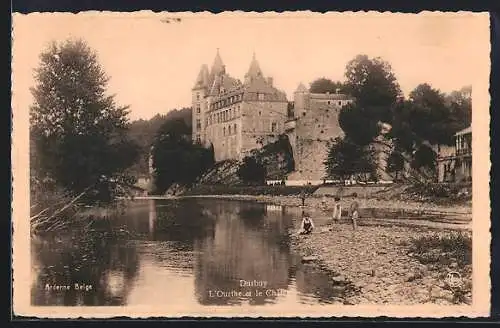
column 254, row 70
column 202, row 79
column 218, row 65
column 301, row 88
column 223, row 82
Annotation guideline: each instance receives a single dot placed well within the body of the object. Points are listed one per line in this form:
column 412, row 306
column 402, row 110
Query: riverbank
column 395, row 265
column 313, row 203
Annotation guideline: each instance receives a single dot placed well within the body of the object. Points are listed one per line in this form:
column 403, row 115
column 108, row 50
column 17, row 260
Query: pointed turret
column 218, row 65
column 301, row 88
column 254, row 70
column 202, row 79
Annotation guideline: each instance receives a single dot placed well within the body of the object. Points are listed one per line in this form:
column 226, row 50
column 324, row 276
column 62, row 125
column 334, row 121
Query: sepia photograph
column 251, row 164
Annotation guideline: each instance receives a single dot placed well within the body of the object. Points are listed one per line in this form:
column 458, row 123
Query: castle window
column 273, row 127
column 260, row 113
column 235, row 128
column 198, row 109
column 198, row 138
column 198, row 124
column 340, row 103
column 260, row 96
column 229, row 130
column 303, row 113
column 328, row 102
column 198, row 96
column 224, row 131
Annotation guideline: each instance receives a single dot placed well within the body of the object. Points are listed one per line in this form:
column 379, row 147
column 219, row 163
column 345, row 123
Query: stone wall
column 262, row 123
column 314, row 128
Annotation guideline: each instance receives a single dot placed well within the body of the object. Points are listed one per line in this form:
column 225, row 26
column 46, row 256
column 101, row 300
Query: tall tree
column 324, row 85
column 371, row 81
column 79, row 131
column 175, row 158
column 374, row 85
column 460, row 103
column 346, row 158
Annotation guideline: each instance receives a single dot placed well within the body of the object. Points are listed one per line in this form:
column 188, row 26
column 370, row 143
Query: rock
column 307, row 259
column 339, row 279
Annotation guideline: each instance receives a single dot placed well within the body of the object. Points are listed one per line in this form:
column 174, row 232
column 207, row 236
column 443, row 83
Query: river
column 189, row 252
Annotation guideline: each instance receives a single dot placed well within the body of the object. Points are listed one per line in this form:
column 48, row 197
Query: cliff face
column 276, row 157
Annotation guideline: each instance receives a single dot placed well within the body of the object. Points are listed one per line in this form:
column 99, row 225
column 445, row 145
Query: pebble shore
column 377, row 262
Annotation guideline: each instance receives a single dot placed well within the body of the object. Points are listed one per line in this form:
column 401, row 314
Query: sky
column 153, row 64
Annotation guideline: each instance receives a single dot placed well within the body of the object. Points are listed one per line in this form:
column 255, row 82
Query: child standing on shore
column 337, row 210
column 354, row 211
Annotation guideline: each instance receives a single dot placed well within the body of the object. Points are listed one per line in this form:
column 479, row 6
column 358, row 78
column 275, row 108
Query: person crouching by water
column 307, row 225
column 354, row 211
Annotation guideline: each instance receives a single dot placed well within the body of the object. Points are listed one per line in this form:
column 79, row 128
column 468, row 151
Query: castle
column 237, row 117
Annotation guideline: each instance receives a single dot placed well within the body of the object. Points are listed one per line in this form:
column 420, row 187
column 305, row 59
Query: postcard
column 293, row 164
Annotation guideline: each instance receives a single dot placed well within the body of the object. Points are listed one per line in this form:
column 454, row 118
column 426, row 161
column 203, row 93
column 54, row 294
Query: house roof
column 331, row 96
column 467, row 130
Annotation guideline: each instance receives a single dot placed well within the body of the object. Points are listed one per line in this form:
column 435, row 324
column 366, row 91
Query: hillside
column 143, row 133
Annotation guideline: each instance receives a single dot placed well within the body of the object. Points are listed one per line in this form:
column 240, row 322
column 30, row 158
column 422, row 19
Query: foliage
column 453, row 246
column 143, row 132
column 374, row 86
column 424, row 157
column 251, row 171
column 346, row 158
column 371, row 82
column 324, row 85
column 175, row 158
column 78, row 133
column 395, row 163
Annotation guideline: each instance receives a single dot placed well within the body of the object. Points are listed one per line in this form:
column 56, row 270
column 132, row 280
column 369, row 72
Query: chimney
column 337, row 90
column 270, row 81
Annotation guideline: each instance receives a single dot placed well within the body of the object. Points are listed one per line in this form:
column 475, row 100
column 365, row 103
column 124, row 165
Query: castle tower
column 301, row 100
column 199, row 105
column 254, row 71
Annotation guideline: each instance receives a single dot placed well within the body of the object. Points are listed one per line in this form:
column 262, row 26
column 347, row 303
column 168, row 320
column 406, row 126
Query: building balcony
column 464, row 152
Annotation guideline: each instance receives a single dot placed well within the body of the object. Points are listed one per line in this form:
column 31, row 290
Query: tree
column 251, row 171
column 424, row 159
column 324, row 85
column 395, row 163
column 79, row 132
column 346, row 158
column 376, row 91
column 371, row 82
column 175, row 158
column 460, row 103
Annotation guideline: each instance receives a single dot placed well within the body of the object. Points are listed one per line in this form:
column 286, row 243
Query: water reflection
column 204, row 252
column 76, row 269
column 246, row 259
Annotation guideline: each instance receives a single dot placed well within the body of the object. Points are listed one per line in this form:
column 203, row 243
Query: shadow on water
column 82, row 269
column 235, row 252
